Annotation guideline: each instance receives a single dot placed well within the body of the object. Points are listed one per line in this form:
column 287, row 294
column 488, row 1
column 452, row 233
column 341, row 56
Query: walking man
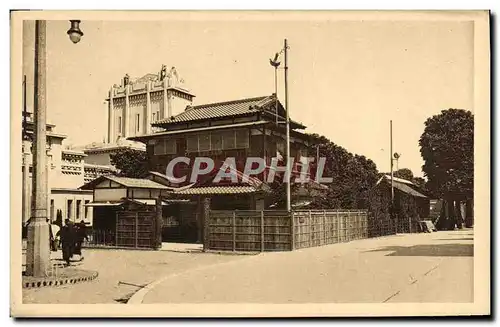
column 67, row 234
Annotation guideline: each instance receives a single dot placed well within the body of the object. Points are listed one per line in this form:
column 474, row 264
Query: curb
column 50, row 281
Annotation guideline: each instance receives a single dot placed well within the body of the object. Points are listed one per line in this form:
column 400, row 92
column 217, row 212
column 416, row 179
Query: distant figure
column 81, row 235
column 67, row 234
column 54, row 236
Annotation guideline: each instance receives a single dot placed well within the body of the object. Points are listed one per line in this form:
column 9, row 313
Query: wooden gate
column 136, row 229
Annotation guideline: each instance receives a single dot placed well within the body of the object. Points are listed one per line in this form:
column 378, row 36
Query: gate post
column 206, row 223
column 157, row 225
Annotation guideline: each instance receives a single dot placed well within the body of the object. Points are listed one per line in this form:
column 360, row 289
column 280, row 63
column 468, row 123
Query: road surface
column 436, row 267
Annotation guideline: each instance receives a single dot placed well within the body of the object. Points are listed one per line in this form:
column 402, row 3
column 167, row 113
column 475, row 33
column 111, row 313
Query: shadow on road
column 454, row 239
column 438, row 250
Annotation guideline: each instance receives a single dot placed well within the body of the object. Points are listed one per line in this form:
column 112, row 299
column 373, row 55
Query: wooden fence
column 274, row 230
column 321, row 227
column 251, row 230
column 136, row 229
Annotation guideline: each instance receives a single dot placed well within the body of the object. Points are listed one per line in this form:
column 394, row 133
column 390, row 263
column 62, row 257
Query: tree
column 447, row 147
column 404, row 173
column 353, row 176
column 131, row 163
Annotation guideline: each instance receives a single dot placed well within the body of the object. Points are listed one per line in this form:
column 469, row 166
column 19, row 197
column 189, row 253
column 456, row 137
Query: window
column 216, row 141
column 78, row 205
column 86, row 209
column 154, row 114
column 165, row 146
column 69, row 210
column 228, row 140
column 159, row 147
column 170, row 146
column 242, row 138
column 158, row 115
column 192, row 143
column 204, row 142
column 138, row 122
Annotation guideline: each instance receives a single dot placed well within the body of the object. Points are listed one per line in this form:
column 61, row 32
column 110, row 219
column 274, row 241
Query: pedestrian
column 52, row 237
column 67, row 234
column 55, row 238
column 81, row 235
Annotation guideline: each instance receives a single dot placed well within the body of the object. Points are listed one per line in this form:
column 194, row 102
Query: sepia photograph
column 250, row 163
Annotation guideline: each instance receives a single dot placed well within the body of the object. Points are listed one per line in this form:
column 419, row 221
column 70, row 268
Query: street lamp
column 75, row 34
column 38, row 247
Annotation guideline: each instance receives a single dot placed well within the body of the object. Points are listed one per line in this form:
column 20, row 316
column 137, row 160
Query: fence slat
column 262, row 231
column 136, row 229
column 234, row 231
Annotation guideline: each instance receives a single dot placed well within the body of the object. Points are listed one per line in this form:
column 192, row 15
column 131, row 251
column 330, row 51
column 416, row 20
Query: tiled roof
column 220, row 109
column 218, row 190
column 136, row 182
column 401, row 180
column 406, row 189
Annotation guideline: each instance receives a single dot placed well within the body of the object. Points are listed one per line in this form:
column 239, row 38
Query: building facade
column 238, row 129
column 65, row 176
column 135, row 104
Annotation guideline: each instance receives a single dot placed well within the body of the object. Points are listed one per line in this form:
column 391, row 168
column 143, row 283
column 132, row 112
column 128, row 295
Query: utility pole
column 276, row 91
column 26, row 165
column 394, row 216
column 288, row 168
column 38, row 251
column 392, row 170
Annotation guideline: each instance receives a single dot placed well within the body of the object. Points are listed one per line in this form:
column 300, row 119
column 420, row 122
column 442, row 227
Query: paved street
column 129, row 266
column 435, row 267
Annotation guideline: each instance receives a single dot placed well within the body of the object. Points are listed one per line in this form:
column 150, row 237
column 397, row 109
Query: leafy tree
column 404, row 173
column 447, row 147
column 353, row 176
column 131, row 163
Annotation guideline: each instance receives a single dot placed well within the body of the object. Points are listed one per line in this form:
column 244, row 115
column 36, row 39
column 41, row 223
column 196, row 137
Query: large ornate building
column 135, row 104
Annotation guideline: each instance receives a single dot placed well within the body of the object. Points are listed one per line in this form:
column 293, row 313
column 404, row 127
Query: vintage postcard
column 250, row 163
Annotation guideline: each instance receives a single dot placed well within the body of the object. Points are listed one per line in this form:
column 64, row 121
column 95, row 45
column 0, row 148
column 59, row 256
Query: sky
column 347, row 79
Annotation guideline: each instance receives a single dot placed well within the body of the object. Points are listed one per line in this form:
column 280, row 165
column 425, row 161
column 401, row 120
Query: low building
column 411, row 205
column 67, row 172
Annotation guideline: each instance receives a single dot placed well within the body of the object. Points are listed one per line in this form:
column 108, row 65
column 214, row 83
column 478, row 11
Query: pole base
column 38, row 250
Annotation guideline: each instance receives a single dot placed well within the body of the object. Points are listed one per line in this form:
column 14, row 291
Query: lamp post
column 38, row 249
column 275, row 63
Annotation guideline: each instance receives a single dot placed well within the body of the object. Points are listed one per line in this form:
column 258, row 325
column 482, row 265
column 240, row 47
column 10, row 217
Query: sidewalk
column 400, row 268
column 122, row 273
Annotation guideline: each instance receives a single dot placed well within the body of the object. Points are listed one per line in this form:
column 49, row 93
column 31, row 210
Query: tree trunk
column 451, row 220
column 469, row 213
column 441, row 222
column 458, row 215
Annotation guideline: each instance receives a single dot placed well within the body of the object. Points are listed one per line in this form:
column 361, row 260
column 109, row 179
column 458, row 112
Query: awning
column 103, row 204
